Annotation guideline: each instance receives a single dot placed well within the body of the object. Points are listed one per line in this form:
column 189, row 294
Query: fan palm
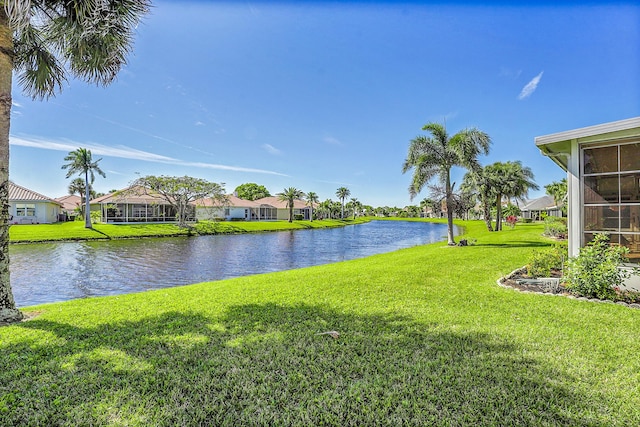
column 512, row 180
column 290, row 195
column 342, row 193
column 81, row 163
column 434, row 156
column 44, row 42
column 312, row 199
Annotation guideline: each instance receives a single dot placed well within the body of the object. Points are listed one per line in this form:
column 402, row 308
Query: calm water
column 51, row 272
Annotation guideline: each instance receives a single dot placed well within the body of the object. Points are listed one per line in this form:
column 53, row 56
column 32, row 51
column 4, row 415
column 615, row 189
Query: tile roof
column 19, row 193
column 69, row 202
column 129, row 195
column 281, row 204
column 233, row 201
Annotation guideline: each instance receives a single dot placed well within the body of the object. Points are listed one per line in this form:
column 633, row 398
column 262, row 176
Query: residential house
column 28, row 207
column 537, row 209
column 131, row 205
column 70, row 205
column 273, row 208
column 233, row 209
column 603, row 180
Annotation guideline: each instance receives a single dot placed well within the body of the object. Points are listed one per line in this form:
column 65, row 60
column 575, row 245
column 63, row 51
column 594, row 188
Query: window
column 25, row 209
column 611, row 195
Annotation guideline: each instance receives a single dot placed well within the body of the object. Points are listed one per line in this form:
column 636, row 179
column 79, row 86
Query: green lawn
column 426, row 338
column 74, row 230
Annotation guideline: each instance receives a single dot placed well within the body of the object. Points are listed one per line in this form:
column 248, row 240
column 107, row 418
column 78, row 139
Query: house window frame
column 25, row 209
column 618, row 232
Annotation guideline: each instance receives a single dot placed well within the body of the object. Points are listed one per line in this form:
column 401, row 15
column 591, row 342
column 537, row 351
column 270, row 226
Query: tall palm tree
column 290, row 195
column 342, row 193
column 511, row 180
column 356, row 206
column 44, row 42
column 435, row 155
column 81, row 163
column 312, row 199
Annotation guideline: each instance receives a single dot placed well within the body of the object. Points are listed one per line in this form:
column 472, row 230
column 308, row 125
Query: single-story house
column 70, row 204
column 603, row 182
column 535, row 209
column 131, row 205
column 280, row 209
column 234, row 208
column 28, row 207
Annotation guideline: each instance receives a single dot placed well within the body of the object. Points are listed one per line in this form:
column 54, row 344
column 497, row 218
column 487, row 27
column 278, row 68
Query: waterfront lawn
column 426, row 338
column 74, row 230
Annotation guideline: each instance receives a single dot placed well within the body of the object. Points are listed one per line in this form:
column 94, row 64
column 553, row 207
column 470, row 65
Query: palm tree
column 356, row 206
column 81, row 163
column 483, row 181
column 435, row 155
column 511, row 180
column 558, row 190
column 289, row 195
column 77, row 187
column 342, row 193
column 312, row 199
column 37, row 40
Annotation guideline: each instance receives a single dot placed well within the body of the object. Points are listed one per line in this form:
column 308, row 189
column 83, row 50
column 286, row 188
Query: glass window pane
column 600, row 218
column 600, row 160
column 601, row 189
column 630, row 188
column 631, row 241
column 630, row 157
column 630, row 218
column 613, row 238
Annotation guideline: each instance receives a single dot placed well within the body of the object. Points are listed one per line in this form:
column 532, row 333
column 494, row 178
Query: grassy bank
column 426, row 338
column 74, row 230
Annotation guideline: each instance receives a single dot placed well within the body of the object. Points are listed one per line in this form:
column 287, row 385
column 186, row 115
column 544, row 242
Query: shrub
column 298, row 217
column 542, row 262
column 594, row 272
column 526, row 220
column 555, row 227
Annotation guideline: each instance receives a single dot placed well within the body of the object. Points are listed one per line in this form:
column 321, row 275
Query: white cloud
column 331, row 140
column 127, row 153
column 199, row 123
column 530, row 87
column 271, row 149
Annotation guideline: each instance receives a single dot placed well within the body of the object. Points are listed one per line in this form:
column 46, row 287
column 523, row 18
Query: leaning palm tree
column 342, row 193
column 81, row 163
column 44, row 42
column 435, row 155
column 312, row 199
column 290, row 195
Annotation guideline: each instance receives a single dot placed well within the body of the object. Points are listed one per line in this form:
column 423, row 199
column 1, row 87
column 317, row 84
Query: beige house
column 603, row 178
column 131, row 206
column 70, row 204
column 234, row 209
column 282, row 210
column 29, row 207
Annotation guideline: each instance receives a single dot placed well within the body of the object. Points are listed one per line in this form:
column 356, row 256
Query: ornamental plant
column 511, row 220
column 595, row 272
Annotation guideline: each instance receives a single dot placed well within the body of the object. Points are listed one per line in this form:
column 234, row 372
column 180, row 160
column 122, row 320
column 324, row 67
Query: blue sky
column 319, row 95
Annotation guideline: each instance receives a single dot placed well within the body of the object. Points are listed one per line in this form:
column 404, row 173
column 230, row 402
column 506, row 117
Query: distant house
column 234, row 208
column 28, row 207
column 536, row 209
column 131, row 205
column 603, row 180
column 271, row 203
column 70, row 204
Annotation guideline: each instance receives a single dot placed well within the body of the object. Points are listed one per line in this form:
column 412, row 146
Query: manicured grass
column 74, row 230
column 426, row 338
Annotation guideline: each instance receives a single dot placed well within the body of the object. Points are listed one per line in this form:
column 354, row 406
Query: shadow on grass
column 517, row 244
column 267, row 365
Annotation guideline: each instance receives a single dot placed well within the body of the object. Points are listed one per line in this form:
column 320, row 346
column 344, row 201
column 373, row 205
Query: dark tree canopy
column 251, row 191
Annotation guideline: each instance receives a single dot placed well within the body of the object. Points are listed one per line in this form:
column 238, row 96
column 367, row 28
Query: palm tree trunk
column 87, row 209
column 487, row 211
column 450, row 239
column 8, row 311
column 499, row 212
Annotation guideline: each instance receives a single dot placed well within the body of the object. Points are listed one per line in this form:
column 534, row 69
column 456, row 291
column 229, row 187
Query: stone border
column 501, row 282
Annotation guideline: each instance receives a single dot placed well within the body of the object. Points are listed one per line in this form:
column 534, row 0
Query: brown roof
column 233, row 201
column 281, row 204
column 69, row 202
column 129, row 195
column 19, row 193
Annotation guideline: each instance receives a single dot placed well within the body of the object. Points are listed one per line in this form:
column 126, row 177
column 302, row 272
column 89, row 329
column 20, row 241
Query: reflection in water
column 51, row 272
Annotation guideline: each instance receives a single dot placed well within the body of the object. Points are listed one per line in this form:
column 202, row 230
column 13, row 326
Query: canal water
column 49, row 272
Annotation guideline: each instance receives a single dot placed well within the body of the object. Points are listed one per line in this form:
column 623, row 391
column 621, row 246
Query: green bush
column 542, row 262
column 298, row 217
column 555, row 227
column 594, row 273
column 526, row 220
